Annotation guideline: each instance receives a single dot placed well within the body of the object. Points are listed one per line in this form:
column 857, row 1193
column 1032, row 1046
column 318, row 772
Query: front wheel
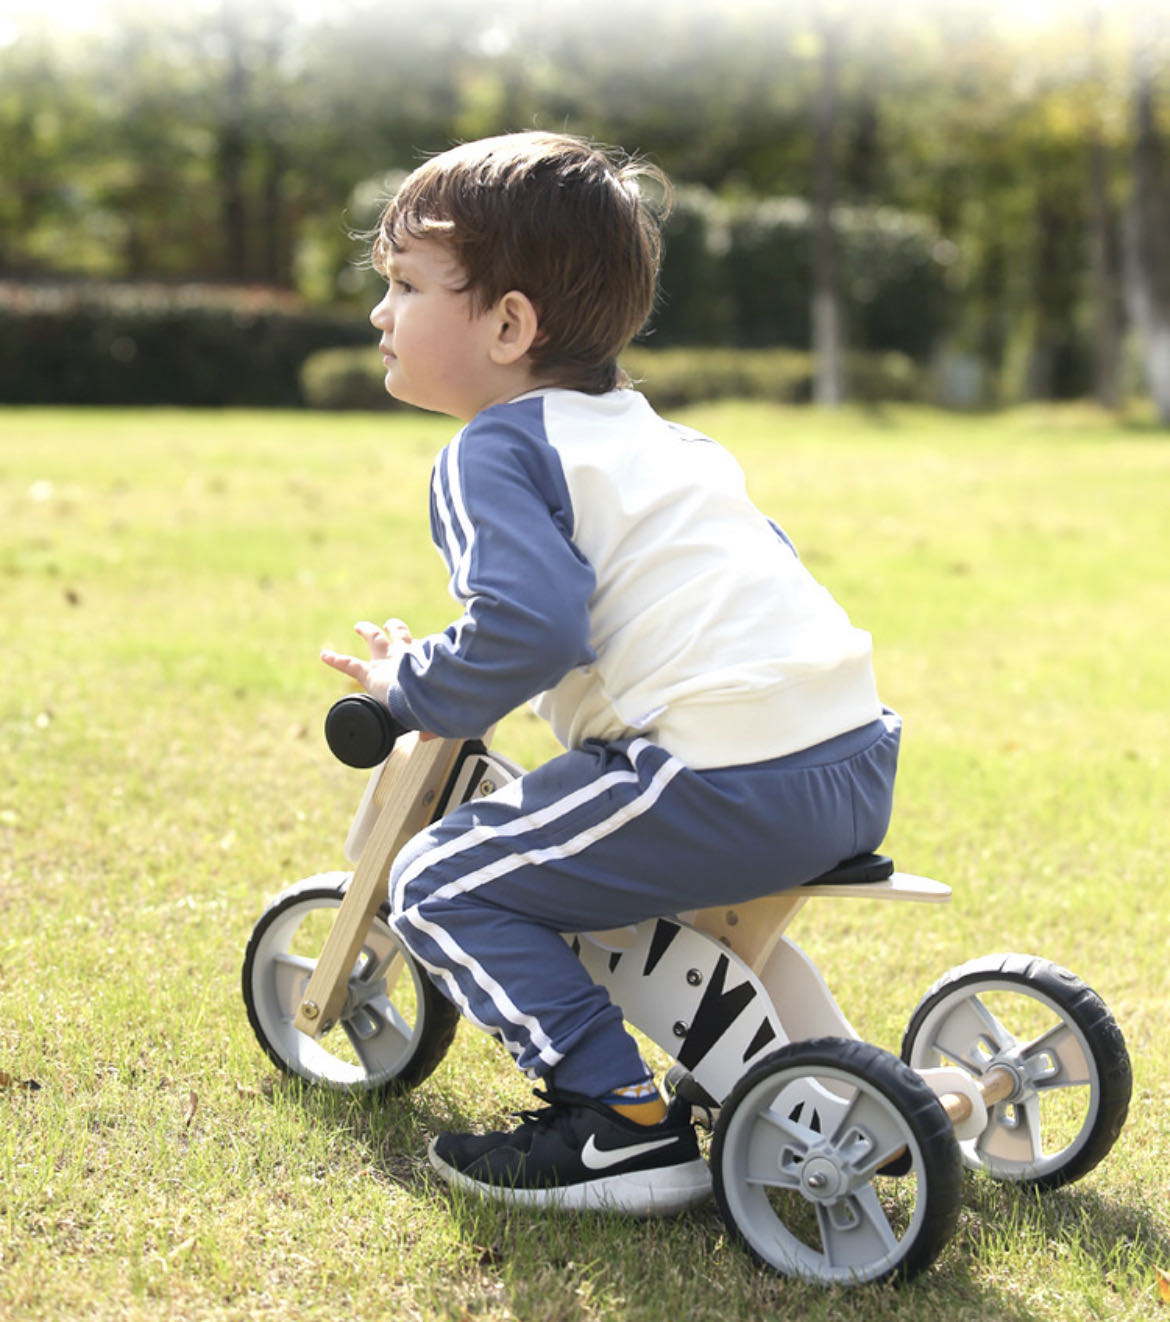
column 1056, row 1038
column 395, row 1027
column 834, row 1162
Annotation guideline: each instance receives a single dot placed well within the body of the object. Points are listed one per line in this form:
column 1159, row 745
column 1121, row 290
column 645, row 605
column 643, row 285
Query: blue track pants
column 610, row 834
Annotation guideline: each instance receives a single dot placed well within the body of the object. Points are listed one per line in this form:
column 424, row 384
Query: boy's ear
column 517, row 328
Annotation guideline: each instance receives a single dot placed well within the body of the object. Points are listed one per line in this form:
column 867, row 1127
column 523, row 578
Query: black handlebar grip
column 360, row 730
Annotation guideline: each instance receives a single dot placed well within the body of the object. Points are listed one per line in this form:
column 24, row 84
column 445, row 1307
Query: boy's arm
column 503, row 517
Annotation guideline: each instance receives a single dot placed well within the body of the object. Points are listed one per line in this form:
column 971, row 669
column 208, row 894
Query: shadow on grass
column 573, row 1265
column 1124, row 1243
column 689, row 1267
column 542, row 1265
column 392, row 1126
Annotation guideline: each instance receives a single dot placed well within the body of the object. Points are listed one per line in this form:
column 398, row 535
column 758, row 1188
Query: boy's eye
column 403, row 286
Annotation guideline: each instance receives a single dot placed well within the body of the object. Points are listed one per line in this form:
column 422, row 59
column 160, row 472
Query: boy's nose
column 380, row 313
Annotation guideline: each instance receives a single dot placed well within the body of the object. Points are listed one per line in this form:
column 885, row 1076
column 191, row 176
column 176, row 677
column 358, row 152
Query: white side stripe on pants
column 483, row 876
column 477, row 835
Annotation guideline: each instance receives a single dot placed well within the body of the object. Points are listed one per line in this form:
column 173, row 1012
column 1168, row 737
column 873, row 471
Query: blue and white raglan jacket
column 614, row 573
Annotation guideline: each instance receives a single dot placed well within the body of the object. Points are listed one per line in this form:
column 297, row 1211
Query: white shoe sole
column 662, row 1192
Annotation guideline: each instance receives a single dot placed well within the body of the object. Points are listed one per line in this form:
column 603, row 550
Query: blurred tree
column 1148, row 223
column 1104, row 258
column 243, row 141
column 145, row 173
column 1015, row 154
column 46, row 129
column 828, row 344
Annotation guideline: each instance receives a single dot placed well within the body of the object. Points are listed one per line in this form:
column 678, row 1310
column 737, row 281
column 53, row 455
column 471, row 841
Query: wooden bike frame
column 406, row 797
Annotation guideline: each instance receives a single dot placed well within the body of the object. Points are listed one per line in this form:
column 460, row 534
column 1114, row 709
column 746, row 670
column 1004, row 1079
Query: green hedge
column 673, row 378
column 93, row 343
column 670, row 378
column 345, row 379
column 739, row 271
column 736, row 273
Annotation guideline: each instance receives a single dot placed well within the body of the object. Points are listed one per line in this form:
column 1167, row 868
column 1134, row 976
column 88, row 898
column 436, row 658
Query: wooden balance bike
column 831, row 1159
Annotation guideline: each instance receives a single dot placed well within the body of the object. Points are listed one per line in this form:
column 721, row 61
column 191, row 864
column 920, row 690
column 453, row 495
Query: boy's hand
column 386, row 648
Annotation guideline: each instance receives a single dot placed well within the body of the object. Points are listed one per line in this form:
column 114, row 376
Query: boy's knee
column 410, row 877
column 420, row 878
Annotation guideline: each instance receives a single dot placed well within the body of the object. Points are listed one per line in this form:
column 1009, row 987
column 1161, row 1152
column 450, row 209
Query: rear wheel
column 1059, row 1042
column 395, row 1026
column 798, row 1145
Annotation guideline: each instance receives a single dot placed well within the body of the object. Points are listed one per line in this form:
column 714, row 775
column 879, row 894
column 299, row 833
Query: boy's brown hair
column 556, row 218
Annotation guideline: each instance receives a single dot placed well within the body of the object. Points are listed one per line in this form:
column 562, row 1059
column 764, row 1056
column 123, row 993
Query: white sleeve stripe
column 444, row 512
column 465, row 532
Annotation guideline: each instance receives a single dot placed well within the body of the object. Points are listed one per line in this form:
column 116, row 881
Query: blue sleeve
column 502, row 518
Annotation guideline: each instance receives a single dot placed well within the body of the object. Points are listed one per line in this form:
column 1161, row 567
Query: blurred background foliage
column 966, row 201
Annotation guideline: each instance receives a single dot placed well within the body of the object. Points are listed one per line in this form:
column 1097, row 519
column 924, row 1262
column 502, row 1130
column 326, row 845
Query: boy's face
column 434, row 344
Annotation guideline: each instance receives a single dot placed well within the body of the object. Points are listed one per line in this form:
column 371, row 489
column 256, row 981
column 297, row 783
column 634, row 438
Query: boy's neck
column 516, row 386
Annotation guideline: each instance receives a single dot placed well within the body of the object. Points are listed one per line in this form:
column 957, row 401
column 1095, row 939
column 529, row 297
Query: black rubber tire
column 1083, row 1011
column 919, row 1120
column 435, row 1018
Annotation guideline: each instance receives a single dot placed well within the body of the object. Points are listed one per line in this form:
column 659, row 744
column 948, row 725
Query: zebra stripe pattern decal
column 689, row 994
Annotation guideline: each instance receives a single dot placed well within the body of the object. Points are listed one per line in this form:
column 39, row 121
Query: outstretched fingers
column 386, row 646
column 376, row 639
column 352, row 666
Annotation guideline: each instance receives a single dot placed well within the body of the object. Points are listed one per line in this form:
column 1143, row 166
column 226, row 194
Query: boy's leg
column 603, row 836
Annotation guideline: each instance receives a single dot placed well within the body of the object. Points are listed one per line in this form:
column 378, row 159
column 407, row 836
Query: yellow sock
column 640, row 1102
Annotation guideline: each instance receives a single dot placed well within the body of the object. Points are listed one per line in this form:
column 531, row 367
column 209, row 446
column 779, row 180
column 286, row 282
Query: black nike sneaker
column 579, row 1155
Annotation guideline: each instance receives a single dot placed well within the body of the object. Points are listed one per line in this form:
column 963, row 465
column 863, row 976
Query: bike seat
column 856, row 871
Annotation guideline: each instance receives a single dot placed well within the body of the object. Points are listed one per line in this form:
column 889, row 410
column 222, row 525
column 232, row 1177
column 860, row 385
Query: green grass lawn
column 166, row 581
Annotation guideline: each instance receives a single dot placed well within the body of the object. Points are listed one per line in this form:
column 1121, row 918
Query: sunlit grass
column 166, row 581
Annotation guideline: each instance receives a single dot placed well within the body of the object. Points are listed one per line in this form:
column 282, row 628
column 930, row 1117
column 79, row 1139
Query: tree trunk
column 232, row 150
column 1056, row 365
column 827, row 327
column 1104, row 278
column 273, row 220
column 1148, row 235
column 275, row 239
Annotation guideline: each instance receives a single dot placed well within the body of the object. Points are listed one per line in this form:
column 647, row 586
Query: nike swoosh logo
column 599, row 1159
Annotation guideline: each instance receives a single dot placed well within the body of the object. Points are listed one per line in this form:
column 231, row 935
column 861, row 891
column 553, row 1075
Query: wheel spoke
column 971, row 1035
column 777, row 1150
column 383, row 959
column 291, row 974
column 392, row 969
column 1013, row 1134
column 868, row 1135
column 377, row 1033
column 855, row 1232
column 1056, row 1059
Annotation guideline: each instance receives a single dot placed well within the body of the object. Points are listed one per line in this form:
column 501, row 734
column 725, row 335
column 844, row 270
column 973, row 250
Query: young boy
column 724, row 735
